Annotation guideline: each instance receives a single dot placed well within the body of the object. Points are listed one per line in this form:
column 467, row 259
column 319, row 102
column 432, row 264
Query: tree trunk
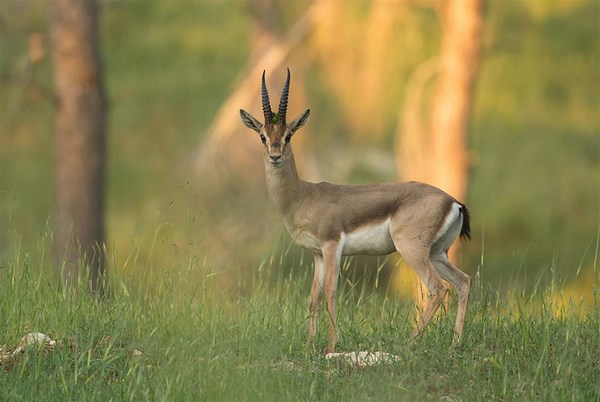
column 80, row 140
column 439, row 157
column 452, row 105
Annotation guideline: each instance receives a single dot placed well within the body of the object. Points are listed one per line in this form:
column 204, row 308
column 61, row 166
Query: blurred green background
column 169, row 66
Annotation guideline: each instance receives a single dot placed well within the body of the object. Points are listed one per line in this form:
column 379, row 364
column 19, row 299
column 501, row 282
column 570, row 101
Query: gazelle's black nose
column 275, row 158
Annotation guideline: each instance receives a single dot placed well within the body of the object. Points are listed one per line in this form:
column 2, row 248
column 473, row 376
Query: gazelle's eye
column 263, row 139
column 287, row 138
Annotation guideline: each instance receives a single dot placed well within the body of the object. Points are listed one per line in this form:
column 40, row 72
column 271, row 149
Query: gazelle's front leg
column 316, row 292
column 332, row 254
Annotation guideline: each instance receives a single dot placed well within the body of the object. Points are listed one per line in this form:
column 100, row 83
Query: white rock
column 364, row 358
column 34, row 338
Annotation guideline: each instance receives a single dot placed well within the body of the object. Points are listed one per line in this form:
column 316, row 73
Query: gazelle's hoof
column 456, row 340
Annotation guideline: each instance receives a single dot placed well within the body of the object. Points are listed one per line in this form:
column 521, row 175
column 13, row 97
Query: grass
column 200, row 343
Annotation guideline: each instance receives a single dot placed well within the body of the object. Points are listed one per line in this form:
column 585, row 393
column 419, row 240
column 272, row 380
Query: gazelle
column 418, row 220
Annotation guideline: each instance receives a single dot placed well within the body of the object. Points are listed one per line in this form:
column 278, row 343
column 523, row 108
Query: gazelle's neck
column 284, row 186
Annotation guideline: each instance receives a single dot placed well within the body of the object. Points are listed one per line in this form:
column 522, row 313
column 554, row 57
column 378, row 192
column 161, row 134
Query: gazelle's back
column 358, row 204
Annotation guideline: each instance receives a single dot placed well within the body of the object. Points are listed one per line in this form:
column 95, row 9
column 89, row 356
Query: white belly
column 369, row 240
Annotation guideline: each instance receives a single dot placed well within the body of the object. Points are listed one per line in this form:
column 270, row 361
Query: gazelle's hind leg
column 418, row 259
column 450, row 273
column 462, row 284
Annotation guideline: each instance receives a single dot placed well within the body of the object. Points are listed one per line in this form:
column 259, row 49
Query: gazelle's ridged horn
column 284, row 100
column 266, row 104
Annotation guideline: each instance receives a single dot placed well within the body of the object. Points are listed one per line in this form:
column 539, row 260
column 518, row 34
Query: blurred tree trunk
column 440, row 156
column 80, row 140
column 452, row 105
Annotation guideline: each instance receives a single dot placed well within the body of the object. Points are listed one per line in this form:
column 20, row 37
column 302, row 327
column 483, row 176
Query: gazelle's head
column 276, row 133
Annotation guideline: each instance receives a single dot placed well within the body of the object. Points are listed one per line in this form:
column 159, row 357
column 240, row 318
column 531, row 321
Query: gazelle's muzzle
column 275, row 159
column 275, row 154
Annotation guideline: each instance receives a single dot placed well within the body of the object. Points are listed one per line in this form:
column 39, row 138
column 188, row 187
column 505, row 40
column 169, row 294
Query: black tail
column 465, row 230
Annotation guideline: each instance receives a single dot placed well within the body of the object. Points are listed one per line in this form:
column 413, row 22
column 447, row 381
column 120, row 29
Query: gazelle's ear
column 250, row 121
column 300, row 121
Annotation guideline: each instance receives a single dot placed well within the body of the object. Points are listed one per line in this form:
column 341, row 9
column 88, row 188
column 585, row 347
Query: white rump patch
column 451, row 226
